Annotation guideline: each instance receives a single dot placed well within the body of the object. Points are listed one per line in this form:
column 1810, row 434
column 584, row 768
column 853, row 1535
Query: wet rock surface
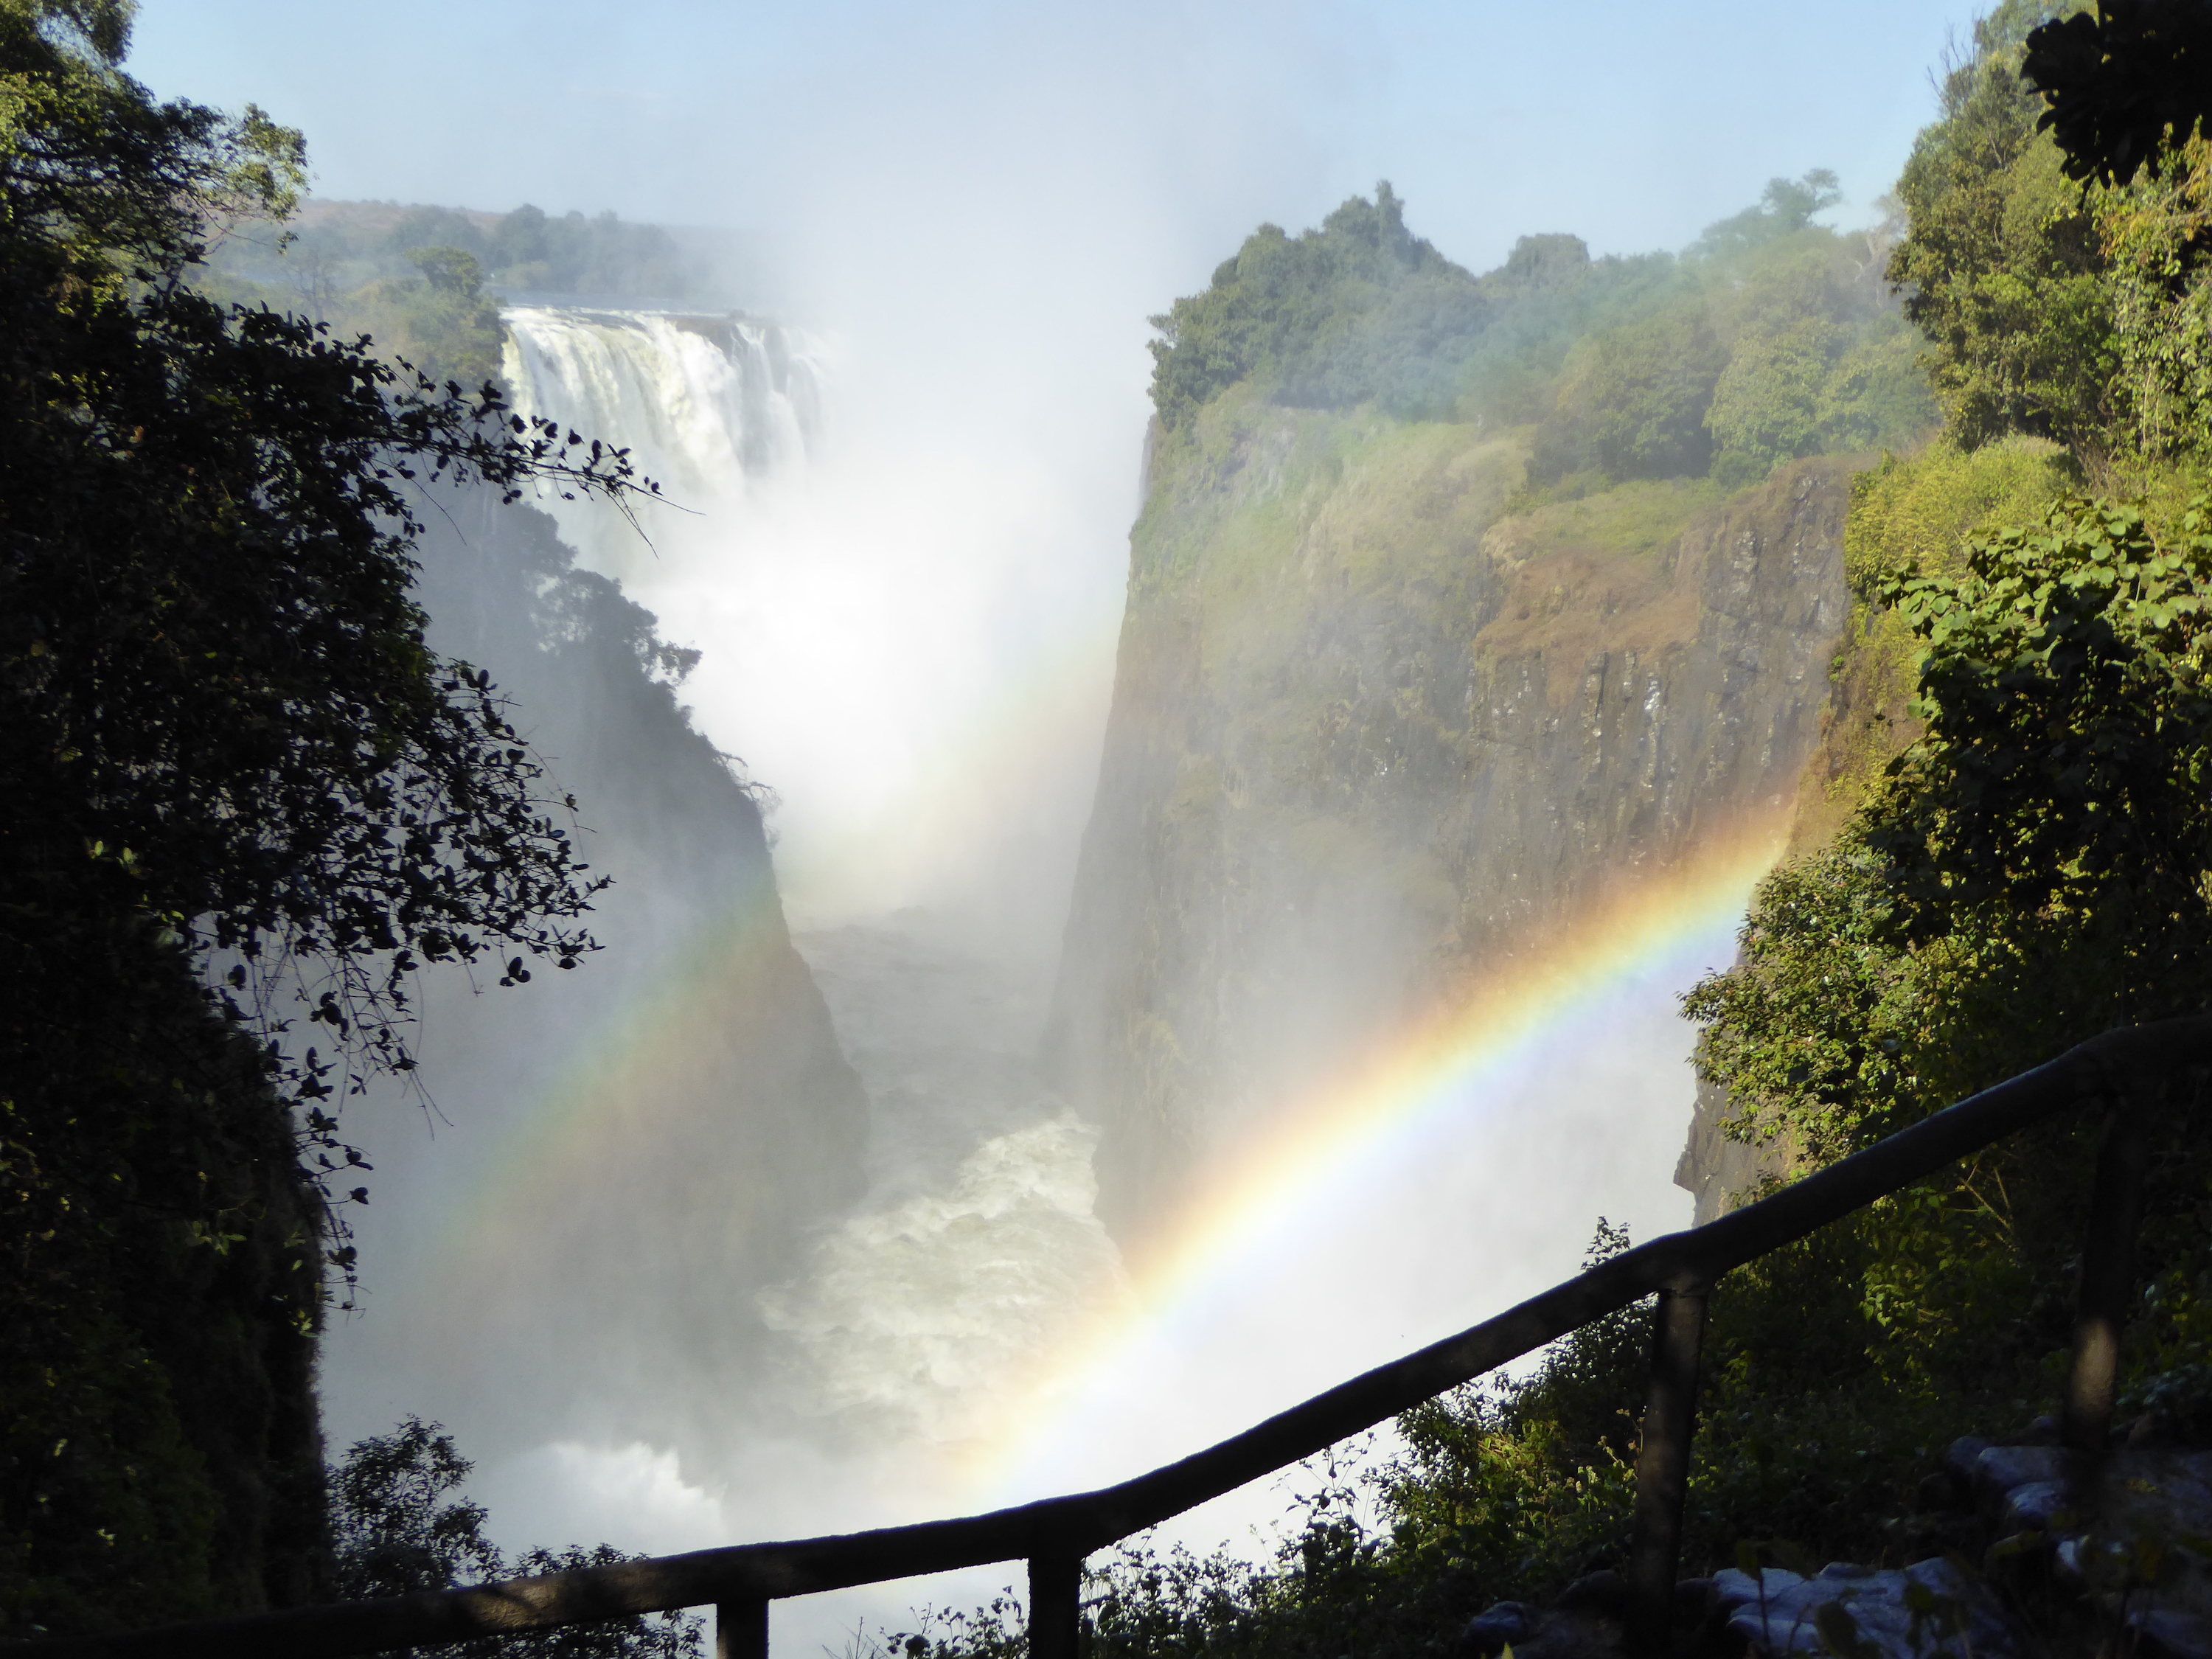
column 1364, row 750
column 2127, row 1537
column 2055, row 1551
column 1927, row 1608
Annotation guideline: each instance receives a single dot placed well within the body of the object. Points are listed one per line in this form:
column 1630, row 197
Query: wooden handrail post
column 1055, row 1606
column 1662, row 1467
column 2108, row 1257
column 741, row 1630
column 1676, row 1267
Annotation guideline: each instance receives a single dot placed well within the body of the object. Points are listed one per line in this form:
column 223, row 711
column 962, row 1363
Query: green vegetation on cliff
column 1435, row 622
column 1768, row 339
column 2000, row 846
column 2001, row 849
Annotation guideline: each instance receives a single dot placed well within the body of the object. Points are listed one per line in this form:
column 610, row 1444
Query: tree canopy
column 220, row 712
column 401, row 1526
column 241, row 798
column 2066, row 296
column 2122, row 82
column 1768, row 339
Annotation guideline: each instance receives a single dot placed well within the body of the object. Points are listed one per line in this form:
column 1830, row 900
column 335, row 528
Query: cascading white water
column 883, row 644
column 705, row 405
column 916, row 1321
column 863, row 633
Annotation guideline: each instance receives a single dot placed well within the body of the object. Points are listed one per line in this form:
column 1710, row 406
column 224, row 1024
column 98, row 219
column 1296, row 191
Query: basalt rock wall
column 640, row 1145
column 1374, row 733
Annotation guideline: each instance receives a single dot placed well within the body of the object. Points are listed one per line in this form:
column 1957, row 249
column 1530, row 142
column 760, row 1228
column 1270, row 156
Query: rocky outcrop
column 641, row 1145
column 2044, row 1550
column 1719, row 1172
column 1371, row 734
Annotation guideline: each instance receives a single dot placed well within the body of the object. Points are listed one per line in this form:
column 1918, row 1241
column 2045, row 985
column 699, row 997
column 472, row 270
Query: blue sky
column 1148, row 136
column 979, row 204
column 976, row 205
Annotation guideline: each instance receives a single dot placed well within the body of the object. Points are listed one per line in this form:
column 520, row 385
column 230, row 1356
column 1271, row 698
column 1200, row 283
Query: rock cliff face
column 1717, row 1171
column 1370, row 732
column 683, row 1093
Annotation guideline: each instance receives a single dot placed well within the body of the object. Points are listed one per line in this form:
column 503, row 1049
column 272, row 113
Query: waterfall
column 890, row 638
column 906, row 601
column 709, row 407
column 845, row 650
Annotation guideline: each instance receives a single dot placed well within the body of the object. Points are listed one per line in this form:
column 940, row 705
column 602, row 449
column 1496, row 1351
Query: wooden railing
column 1054, row 1535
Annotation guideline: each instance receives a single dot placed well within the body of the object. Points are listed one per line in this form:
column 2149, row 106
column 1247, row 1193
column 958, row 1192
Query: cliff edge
column 1372, row 731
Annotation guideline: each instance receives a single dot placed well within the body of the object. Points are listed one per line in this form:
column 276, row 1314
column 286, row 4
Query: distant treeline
column 426, row 281
column 336, row 248
column 1768, row 339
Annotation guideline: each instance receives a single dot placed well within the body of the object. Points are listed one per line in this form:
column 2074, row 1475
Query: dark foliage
column 229, row 713
column 219, row 711
column 160, row 1287
column 219, row 732
column 2121, row 82
column 398, row 1526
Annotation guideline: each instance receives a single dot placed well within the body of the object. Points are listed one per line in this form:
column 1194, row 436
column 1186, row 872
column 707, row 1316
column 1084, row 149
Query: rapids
column 881, row 643
column 976, row 1252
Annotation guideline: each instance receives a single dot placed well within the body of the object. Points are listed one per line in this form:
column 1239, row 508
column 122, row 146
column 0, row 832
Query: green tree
column 1631, row 401
column 398, row 1526
column 442, row 322
column 2002, row 266
column 224, row 746
column 1332, row 318
column 2064, row 293
column 1768, row 405
column 2058, row 797
column 1784, row 207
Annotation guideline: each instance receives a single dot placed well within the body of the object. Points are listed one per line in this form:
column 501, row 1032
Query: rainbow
column 611, row 1089
column 604, row 1099
column 605, row 1088
column 1245, row 1198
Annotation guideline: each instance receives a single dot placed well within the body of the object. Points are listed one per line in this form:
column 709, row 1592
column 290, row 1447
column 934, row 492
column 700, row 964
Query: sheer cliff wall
column 640, row 1145
column 1372, row 732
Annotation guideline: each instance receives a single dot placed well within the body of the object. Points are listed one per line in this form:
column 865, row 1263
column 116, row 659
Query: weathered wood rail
column 1054, row 1535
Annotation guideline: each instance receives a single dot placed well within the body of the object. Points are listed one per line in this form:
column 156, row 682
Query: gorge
column 1427, row 785
column 1052, row 998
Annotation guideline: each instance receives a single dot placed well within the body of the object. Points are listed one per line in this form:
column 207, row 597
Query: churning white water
column 855, row 614
column 898, row 641
column 709, row 407
column 975, row 1256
